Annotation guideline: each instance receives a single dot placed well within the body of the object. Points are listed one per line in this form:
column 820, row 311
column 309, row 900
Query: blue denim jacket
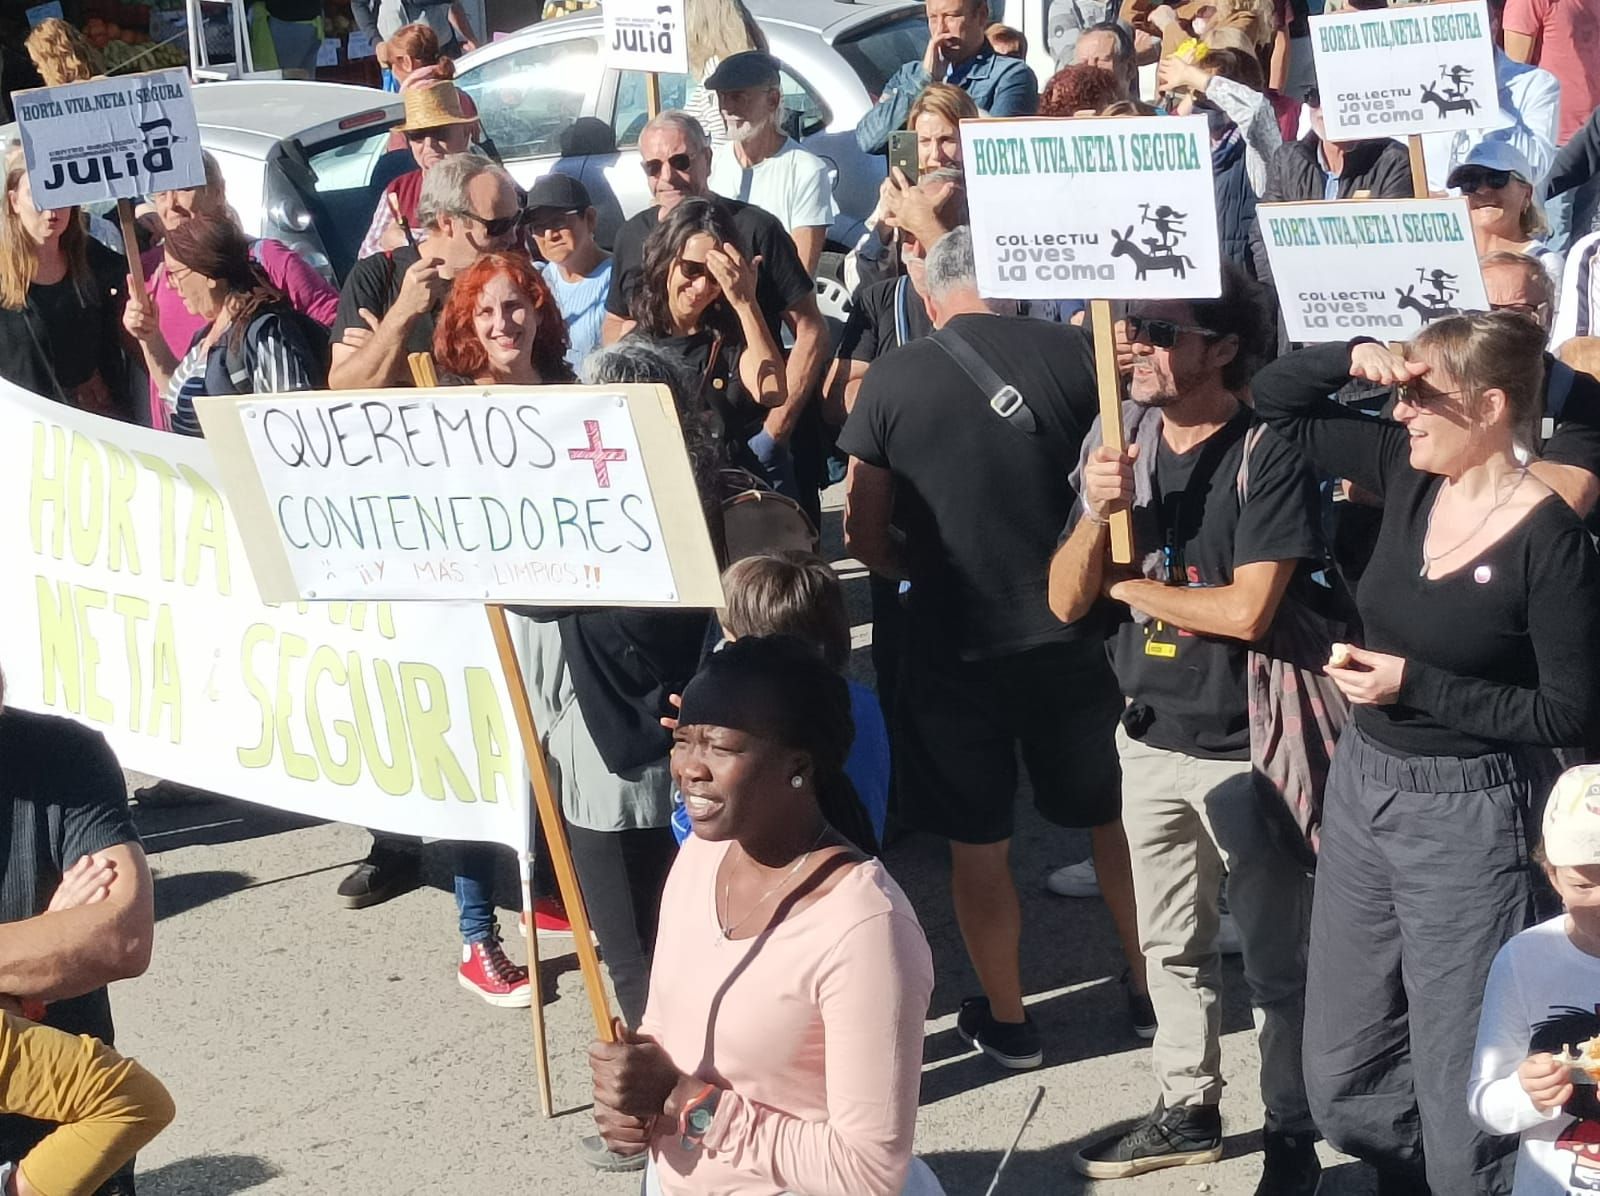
column 998, row 86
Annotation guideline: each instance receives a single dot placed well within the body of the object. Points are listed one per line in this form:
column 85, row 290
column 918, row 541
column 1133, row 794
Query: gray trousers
column 1422, row 874
column 1187, row 820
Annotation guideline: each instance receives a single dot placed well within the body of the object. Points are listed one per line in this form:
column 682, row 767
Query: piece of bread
column 1339, row 657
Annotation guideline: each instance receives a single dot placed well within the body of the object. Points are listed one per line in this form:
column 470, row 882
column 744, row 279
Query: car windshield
column 879, row 51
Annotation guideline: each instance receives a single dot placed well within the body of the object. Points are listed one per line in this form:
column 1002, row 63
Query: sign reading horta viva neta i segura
column 119, row 138
column 127, row 603
column 1416, row 69
column 1375, row 267
column 645, row 35
column 1117, row 208
column 557, row 496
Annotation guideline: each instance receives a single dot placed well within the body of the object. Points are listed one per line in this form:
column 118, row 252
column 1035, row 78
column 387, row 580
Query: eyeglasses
column 1171, row 101
column 693, row 269
column 679, row 163
column 1534, row 311
column 1473, row 181
column 178, row 273
column 1409, row 394
column 546, row 221
column 498, row 226
column 1162, row 334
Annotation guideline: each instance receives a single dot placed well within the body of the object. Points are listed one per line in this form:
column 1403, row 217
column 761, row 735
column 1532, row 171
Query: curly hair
column 650, row 305
column 61, row 53
column 456, row 346
column 1074, row 89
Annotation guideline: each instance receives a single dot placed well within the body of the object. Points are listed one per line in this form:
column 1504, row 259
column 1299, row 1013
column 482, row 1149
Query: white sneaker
column 1074, row 880
column 1228, row 941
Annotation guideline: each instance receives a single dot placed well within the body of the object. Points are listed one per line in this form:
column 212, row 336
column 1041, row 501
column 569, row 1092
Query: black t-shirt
column 781, row 280
column 1498, row 652
column 980, row 501
column 62, row 337
column 875, row 316
column 735, row 415
column 375, row 284
column 62, row 796
column 1187, row 691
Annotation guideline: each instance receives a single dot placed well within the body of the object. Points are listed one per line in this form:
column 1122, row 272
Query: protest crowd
column 1363, row 567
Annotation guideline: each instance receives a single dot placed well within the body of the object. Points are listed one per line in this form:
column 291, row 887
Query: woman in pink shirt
column 781, row 1050
column 306, row 290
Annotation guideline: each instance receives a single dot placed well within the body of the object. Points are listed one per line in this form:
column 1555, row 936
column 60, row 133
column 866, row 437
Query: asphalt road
column 313, row 1049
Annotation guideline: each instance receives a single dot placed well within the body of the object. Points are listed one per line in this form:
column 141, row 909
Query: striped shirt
column 276, row 369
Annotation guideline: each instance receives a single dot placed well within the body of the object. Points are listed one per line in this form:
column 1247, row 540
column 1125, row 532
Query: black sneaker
column 1009, row 1044
column 1292, row 1167
column 1180, row 1137
column 593, row 1150
column 385, row 873
column 1141, row 1013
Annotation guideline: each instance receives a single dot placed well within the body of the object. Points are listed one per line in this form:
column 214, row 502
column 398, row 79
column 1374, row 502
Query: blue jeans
column 475, row 892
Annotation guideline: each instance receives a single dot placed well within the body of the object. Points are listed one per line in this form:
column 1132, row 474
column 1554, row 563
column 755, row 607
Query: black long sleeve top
column 1500, row 652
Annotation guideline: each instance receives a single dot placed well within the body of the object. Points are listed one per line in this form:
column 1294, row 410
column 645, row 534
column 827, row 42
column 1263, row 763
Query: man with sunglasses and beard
column 677, row 162
column 468, row 207
column 1211, row 568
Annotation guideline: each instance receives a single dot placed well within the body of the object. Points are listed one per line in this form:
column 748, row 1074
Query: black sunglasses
column 499, row 226
column 1470, row 181
column 678, row 162
column 1162, row 334
column 692, row 269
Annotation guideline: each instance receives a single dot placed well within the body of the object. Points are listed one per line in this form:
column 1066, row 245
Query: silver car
column 548, row 102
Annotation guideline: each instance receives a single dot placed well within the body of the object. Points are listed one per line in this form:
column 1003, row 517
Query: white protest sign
column 560, row 495
column 127, row 605
column 116, row 138
column 328, row 52
column 1384, row 267
column 1393, row 72
column 1117, row 208
column 645, row 35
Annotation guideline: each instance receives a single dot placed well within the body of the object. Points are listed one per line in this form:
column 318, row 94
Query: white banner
column 645, row 35
column 119, row 138
column 1382, row 267
column 1118, row 208
column 1392, row 72
column 126, row 603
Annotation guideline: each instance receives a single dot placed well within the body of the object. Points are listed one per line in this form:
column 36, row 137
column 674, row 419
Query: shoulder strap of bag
column 902, row 314
column 1005, row 400
column 1242, row 482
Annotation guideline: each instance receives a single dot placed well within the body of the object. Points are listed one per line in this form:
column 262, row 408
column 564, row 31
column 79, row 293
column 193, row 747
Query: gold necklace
column 727, row 885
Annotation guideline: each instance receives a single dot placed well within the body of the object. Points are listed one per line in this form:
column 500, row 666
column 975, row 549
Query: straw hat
column 433, row 108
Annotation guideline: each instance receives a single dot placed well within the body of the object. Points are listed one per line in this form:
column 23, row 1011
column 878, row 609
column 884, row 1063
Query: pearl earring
column 796, row 781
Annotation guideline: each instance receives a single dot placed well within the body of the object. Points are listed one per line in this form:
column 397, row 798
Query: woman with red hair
column 501, row 327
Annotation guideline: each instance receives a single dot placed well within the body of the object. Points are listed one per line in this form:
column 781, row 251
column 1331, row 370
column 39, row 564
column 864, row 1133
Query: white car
column 548, row 102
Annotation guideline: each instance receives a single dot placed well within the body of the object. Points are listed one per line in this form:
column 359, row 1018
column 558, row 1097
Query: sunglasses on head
column 498, row 226
column 678, row 162
column 1470, row 181
column 1162, row 334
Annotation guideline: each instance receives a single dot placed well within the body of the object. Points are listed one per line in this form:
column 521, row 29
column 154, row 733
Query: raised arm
column 892, row 108
column 1292, row 395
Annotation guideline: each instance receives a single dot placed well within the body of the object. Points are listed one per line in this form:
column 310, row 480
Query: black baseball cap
column 558, row 192
column 748, row 68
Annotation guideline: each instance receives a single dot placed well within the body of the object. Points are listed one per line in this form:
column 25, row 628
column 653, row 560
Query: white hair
column 950, row 265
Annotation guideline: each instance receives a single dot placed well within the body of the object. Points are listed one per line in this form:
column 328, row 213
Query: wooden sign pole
column 555, row 827
column 555, row 834
column 1110, row 387
column 1419, row 167
column 652, row 94
column 130, row 241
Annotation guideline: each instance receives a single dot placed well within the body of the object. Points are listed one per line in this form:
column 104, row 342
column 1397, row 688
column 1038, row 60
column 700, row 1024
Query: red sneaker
column 485, row 970
column 550, row 916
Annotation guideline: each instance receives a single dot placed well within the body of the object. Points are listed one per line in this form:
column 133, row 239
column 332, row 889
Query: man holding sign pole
column 1215, row 563
column 974, row 429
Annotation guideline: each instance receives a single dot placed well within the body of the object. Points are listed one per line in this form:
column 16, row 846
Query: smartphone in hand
column 903, row 153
